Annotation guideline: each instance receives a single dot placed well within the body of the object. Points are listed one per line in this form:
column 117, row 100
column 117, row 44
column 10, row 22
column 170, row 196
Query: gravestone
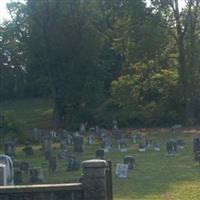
column 130, row 161
column 36, row 175
column 122, row 146
column 18, row 177
column 28, row 150
column 90, row 139
column 156, row 147
column 63, row 145
column 73, row 163
column 52, row 164
column 115, row 125
column 180, row 144
column 46, row 147
column 62, row 154
column 106, row 144
column 121, row 170
column 82, row 129
column 196, row 145
column 9, row 149
column 78, row 144
column 142, row 147
column 6, row 170
column 176, row 127
column 171, row 147
column 100, row 154
column 148, row 144
column 24, row 166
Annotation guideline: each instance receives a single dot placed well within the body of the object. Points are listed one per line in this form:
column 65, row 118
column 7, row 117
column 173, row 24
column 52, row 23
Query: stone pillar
column 95, row 180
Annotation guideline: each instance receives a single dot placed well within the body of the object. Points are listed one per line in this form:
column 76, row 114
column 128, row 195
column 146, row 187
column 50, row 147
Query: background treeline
column 100, row 60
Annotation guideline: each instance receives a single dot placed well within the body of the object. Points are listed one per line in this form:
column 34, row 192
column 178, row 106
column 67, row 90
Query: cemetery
column 154, row 163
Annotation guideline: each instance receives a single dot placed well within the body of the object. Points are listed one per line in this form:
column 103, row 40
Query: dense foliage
column 101, row 60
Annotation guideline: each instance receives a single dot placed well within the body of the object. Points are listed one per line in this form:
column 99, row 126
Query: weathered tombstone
column 180, row 144
column 73, row 163
column 90, row 139
column 46, row 147
column 82, row 128
column 28, row 150
column 171, row 147
column 133, row 139
column 6, row 170
column 18, row 177
column 24, row 166
column 196, row 144
column 69, row 139
column 78, row 144
column 122, row 146
column 130, row 161
column 121, row 170
column 115, row 125
column 100, row 154
column 106, row 144
column 156, row 147
column 36, row 175
column 148, row 144
column 9, row 149
column 142, row 147
column 52, row 164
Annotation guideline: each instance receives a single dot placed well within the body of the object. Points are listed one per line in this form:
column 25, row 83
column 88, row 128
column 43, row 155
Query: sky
column 5, row 15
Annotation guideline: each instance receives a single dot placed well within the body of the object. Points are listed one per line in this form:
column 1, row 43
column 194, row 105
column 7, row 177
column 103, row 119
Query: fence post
column 95, row 180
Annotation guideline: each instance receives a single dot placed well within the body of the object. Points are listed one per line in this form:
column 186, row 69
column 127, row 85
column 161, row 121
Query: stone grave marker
column 52, row 164
column 180, row 144
column 78, row 144
column 100, row 154
column 24, row 166
column 46, row 147
column 171, row 147
column 9, row 149
column 130, row 161
column 156, row 146
column 73, row 163
column 82, row 129
column 196, row 145
column 106, row 144
column 122, row 146
column 18, row 177
column 90, row 139
column 28, row 150
column 121, row 170
column 142, row 147
column 36, row 175
column 148, row 143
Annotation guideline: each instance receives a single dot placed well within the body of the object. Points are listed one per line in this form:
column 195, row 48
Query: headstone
column 121, row 170
column 115, row 125
column 9, row 149
column 100, row 154
column 156, row 147
column 18, row 177
column 6, row 171
column 90, row 139
column 176, row 127
column 24, row 166
column 196, row 144
column 52, row 164
column 130, row 161
column 36, row 175
column 62, row 154
column 142, row 147
column 180, row 144
column 82, row 128
column 73, row 164
column 78, row 144
column 171, row 147
column 63, row 145
column 149, row 144
column 46, row 147
column 106, row 144
column 122, row 146
column 28, row 150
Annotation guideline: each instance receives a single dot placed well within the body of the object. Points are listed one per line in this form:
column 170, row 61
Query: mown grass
column 155, row 177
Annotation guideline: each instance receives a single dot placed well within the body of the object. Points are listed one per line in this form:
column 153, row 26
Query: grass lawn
column 155, row 177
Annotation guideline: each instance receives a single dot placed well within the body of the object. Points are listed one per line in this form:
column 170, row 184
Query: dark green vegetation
column 156, row 176
column 101, row 60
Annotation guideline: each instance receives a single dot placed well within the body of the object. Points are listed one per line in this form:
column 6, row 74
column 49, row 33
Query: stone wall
column 95, row 185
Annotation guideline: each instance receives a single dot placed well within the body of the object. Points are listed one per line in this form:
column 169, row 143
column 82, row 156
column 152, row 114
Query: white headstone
column 121, row 170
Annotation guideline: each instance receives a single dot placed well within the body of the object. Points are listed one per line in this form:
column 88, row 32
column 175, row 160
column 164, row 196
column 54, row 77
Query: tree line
column 101, row 60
